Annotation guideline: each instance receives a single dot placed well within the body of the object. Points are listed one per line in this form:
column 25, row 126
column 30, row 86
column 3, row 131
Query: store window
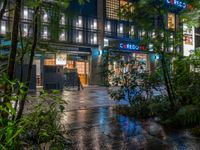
column 171, row 21
column 49, row 59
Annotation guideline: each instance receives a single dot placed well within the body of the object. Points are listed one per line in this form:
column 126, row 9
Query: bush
column 196, row 131
column 38, row 128
column 188, row 116
column 160, row 107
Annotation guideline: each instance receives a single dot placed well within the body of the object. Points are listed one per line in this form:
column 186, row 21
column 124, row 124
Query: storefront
column 75, row 60
column 127, row 51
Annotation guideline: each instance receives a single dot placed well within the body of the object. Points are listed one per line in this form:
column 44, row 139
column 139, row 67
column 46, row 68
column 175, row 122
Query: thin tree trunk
column 35, row 38
column 21, row 64
column 167, row 81
column 5, row 3
column 15, row 31
column 13, row 51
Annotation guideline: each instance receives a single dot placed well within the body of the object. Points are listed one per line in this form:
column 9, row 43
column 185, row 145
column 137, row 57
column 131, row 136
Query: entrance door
column 81, row 65
column 82, row 70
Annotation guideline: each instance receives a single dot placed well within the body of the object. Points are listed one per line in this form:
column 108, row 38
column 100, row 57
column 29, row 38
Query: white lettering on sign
column 128, row 46
column 177, row 3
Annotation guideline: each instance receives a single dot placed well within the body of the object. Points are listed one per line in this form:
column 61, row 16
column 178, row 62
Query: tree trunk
column 167, row 84
column 21, row 64
column 13, row 51
column 35, row 38
column 3, row 9
column 14, row 39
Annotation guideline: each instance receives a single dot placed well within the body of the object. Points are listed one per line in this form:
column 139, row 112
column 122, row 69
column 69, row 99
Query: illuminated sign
column 189, row 40
column 130, row 46
column 61, row 59
column 177, row 3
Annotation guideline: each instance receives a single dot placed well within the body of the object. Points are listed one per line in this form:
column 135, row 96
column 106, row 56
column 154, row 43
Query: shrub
column 188, row 116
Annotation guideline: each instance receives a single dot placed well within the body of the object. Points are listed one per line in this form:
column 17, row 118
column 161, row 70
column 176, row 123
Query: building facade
column 76, row 39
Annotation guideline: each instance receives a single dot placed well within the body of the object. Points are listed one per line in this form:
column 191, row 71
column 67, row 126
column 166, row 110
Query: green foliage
column 196, row 131
column 44, row 122
column 159, row 107
column 188, row 115
column 39, row 126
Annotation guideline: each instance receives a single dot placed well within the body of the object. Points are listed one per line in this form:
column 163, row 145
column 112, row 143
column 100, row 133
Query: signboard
column 189, row 40
column 177, row 3
column 130, row 46
column 61, row 59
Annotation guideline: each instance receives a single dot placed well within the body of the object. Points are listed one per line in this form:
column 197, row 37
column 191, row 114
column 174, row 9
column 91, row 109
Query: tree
column 35, row 39
column 149, row 16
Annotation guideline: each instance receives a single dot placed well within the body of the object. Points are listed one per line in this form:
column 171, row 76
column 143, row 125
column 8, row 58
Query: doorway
column 79, row 63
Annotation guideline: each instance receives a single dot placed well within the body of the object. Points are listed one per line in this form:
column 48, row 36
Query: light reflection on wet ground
column 93, row 125
column 100, row 128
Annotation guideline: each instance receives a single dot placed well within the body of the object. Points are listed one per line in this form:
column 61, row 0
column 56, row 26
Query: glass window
column 62, row 19
column 120, row 29
column 25, row 13
column 62, row 35
column 78, row 22
column 45, row 32
column 78, row 36
column 3, row 27
column 92, row 38
column 106, row 42
column 108, row 26
column 45, row 16
column 141, row 33
column 25, row 29
column 132, row 31
column 171, row 48
column 151, row 47
column 49, row 59
column 112, row 9
column 92, row 24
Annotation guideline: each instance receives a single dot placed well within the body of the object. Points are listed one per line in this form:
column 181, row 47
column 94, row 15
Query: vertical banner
column 189, row 40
